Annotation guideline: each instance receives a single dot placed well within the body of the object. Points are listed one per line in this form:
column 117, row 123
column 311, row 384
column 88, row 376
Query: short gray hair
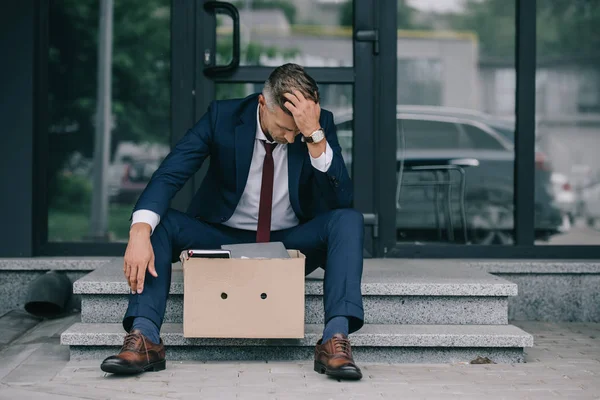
column 285, row 79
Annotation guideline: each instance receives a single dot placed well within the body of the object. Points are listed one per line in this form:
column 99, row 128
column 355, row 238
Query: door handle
column 369, row 36
column 372, row 220
column 229, row 9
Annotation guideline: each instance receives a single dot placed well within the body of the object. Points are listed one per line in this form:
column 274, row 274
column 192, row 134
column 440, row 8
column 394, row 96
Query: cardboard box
column 244, row 298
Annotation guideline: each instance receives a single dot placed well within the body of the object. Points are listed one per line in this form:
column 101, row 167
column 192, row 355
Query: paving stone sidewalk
column 565, row 363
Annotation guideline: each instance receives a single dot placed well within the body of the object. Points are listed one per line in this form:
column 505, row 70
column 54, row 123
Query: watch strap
column 310, row 139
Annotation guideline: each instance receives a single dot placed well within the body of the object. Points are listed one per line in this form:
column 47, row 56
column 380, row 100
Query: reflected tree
column 141, row 76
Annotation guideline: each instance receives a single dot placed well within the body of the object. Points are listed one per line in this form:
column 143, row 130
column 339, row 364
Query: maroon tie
column 263, row 229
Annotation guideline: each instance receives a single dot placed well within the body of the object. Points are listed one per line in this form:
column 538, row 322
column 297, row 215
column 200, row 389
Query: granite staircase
column 424, row 311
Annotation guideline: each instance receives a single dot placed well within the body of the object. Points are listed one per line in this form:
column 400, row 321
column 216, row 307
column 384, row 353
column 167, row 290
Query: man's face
column 277, row 123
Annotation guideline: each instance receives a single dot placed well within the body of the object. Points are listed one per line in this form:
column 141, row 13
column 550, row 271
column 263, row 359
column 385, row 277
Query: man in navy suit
column 276, row 174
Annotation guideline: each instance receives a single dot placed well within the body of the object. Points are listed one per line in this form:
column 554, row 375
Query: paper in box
column 244, row 298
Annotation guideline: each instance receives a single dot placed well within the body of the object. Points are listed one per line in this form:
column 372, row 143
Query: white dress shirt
column 245, row 215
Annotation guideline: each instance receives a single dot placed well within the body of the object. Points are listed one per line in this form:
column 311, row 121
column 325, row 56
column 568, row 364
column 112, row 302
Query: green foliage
column 568, row 28
column 287, row 7
column 140, row 75
column 565, row 28
column 405, row 18
column 494, row 23
column 74, row 224
column 347, row 14
column 73, row 192
column 230, row 91
column 250, row 55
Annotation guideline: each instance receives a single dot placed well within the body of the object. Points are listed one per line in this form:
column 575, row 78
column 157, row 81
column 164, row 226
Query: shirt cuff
column 323, row 162
column 147, row 216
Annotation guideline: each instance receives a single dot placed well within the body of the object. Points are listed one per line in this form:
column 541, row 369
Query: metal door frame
column 193, row 91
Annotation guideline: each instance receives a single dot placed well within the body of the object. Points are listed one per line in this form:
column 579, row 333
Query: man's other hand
column 139, row 256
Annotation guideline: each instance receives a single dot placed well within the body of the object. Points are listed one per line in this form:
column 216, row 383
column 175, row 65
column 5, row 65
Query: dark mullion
column 40, row 130
column 385, row 126
column 363, row 150
column 183, row 42
column 204, row 86
column 524, row 172
column 182, row 68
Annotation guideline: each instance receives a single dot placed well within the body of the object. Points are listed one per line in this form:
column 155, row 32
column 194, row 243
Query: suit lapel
column 245, row 134
column 296, row 156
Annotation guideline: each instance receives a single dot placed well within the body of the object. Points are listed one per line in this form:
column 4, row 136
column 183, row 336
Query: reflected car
column 438, row 134
column 135, row 175
column 590, row 199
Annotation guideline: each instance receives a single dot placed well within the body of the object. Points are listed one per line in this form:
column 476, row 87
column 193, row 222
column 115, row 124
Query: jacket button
column 223, row 219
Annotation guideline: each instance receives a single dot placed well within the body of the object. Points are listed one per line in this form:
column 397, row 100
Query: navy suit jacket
column 226, row 134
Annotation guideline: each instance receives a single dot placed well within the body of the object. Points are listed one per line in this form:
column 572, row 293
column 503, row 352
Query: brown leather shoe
column 334, row 358
column 138, row 354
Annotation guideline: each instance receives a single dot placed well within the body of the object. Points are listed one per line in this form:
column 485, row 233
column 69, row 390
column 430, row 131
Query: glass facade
column 455, row 70
column 455, row 91
column 312, row 33
column 139, row 117
column 568, row 118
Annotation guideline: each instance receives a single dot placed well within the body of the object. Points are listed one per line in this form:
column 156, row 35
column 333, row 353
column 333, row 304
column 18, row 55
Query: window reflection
column 139, row 122
column 312, row 33
column 568, row 117
column 455, row 78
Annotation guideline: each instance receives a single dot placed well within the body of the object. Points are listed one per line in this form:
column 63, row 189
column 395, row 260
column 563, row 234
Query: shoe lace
column 342, row 346
column 130, row 343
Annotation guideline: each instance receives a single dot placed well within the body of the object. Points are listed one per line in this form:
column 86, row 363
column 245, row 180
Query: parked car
column 135, row 176
column 431, row 134
column 131, row 169
column 565, row 198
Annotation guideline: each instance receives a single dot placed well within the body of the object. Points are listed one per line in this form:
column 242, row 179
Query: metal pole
column 99, row 222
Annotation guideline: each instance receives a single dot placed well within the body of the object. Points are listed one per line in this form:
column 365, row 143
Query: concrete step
column 394, row 292
column 16, row 274
column 373, row 343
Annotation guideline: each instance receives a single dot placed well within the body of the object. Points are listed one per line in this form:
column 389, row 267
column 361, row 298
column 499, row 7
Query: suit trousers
column 333, row 240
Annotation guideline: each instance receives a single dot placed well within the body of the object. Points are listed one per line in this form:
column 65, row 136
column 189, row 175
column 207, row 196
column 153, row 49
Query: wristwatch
column 315, row 137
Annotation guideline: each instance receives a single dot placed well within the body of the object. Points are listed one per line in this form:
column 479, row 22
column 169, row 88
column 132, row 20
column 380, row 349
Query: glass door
column 237, row 44
column 450, row 147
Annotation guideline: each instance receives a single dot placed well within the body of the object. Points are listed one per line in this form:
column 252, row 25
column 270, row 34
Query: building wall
column 567, row 111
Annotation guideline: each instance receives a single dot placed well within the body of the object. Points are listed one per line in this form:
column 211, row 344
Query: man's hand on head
column 306, row 112
column 139, row 257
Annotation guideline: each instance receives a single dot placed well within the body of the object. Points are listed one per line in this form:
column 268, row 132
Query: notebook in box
column 257, row 250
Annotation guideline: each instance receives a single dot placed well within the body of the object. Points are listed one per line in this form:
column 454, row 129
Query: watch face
column 317, row 136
